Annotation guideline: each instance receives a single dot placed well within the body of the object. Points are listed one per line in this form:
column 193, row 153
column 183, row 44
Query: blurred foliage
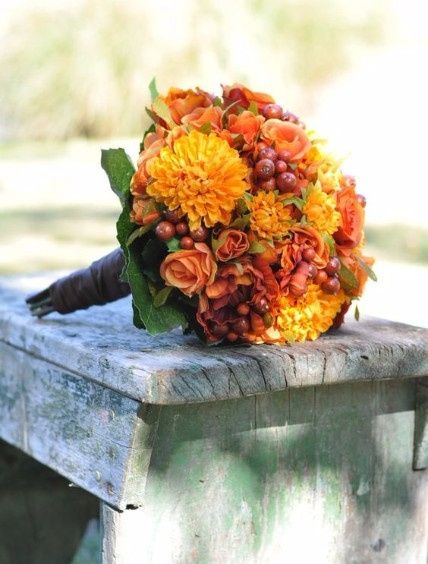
column 81, row 68
column 399, row 242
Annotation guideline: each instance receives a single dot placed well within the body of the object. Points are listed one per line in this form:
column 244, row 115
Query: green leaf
column 217, row 101
column 241, row 222
column 160, row 108
column 161, row 296
column 153, row 89
column 367, row 269
column 256, row 247
column 357, row 313
column 247, row 197
column 253, row 108
column 293, row 166
column 139, row 233
column 329, row 241
column 298, row 202
column 173, row 244
column 205, row 128
column 119, row 169
column 347, row 278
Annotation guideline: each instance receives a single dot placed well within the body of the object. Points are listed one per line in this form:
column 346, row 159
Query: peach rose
column 153, row 143
column 246, row 124
column 183, row 102
column 350, row 233
column 244, row 96
column 143, row 210
column 232, row 244
column 191, row 270
column 286, row 135
column 201, row 116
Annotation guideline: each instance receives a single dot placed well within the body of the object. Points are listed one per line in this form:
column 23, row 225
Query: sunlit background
column 74, row 76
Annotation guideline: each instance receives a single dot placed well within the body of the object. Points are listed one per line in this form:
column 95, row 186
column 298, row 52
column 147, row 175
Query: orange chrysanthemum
column 269, row 219
column 202, row 176
column 306, row 317
column 320, row 209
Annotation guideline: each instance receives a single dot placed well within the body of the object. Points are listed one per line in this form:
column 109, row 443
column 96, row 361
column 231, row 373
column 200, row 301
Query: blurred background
column 73, row 80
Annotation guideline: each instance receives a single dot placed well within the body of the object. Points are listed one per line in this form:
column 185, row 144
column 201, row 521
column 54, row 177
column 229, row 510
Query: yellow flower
column 320, row 210
column 269, row 218
column 305, row 318
column 201, row 175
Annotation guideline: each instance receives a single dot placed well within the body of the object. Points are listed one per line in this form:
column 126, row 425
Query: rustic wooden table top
column 101, row 345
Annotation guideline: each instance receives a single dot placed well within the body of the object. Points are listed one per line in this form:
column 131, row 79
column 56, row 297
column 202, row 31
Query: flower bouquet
column 237, row 223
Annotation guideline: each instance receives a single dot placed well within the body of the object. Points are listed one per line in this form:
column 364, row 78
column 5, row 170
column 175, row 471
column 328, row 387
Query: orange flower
column 246, row 124
column 153, row 143
column 350, row 233
column 183, row 102
column 232, row 243
column 190, row 271
column 200, row 175
column 244, row 96
column 286, row 135
column 143, row 211
column 201, row 116
column 269, row 219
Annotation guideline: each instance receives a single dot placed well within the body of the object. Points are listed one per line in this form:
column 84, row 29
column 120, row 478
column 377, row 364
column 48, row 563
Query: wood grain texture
column 420, row 455
column 95, row 437
column 101, row 344
column 317, row 474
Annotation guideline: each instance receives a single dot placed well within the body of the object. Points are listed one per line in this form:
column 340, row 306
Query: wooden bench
column 304, row 453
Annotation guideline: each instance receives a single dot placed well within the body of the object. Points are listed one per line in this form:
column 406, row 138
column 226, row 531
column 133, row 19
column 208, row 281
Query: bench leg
column 122, row 533
column 42, row 519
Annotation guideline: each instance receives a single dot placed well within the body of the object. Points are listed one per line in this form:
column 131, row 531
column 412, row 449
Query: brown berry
column 267, row 320
column 321, row 277
column 272, row 111
column 232, row 337
column 284, row 155
column 200, row 234
column 268, row 185
column 187, row 243
column 264, row 169
column 241, row 326
column 243, row 309
column 173, row 216
column 267, row 153
column 331, row 285
column 286, row 182
column 262, row 306
column 309, row 254
column 332, row 266
column 312, row 272
column 165, row 230
column 182, row 228
column 280, row 167
column 289, row 116
column 361, row 200
column 220, row 330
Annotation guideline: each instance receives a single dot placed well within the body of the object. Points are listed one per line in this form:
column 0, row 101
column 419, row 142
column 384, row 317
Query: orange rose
column 153, row 143
column 350, row 233
column 304, row 237
column 201, row 116
column 183, row 102
column 246, row 124
column 190, row 271
column 244, row 96
column 232, row 244
column 286, row 135
column 143, row 211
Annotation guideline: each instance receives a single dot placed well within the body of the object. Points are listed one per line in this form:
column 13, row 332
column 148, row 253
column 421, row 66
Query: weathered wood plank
column 95, row 437
column 317, row 474
column 101, row 344
column 420, row 455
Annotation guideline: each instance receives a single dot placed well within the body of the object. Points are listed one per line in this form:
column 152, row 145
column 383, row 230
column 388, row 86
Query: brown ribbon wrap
column 96, row 285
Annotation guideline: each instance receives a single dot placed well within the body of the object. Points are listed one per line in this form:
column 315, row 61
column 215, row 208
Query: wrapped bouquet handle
column 97, row 284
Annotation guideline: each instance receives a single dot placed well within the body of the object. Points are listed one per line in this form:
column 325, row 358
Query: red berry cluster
column 243, row 322
column 175, row 226
column 272, row 171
